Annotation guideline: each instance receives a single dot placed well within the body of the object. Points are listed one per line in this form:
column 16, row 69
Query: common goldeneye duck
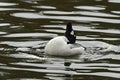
column 64, row 45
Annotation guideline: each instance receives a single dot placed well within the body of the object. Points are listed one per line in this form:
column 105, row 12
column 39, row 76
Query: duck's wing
column 75, row 45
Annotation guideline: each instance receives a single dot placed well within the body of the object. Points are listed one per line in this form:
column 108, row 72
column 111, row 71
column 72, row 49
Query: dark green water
column 27, row 25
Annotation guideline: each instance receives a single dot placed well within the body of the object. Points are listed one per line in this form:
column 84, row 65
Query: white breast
column 58, row 46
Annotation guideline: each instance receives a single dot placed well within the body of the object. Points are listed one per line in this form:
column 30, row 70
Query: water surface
column 27, row 25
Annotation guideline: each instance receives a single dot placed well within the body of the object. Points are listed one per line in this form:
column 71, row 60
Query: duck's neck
column 71, row 39
column 69, row 34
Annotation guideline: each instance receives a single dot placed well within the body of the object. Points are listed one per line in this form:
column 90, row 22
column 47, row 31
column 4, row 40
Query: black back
column 70, row 37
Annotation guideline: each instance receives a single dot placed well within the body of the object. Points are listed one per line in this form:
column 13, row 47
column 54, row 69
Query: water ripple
column 45, row 7
column 31, row 35
column 114, row 1
column 3, row 32
column 25, row 56
column 73, row 18
column 60, row 70
column 22, row 44
column 90, row 7
column 84, row 28
column 7, row 4
column 116, row 12
column 14, row 9
column 88, row 13
column 4, row 24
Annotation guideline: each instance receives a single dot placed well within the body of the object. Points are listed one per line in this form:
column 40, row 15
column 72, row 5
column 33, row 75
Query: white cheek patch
column 72, row 33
